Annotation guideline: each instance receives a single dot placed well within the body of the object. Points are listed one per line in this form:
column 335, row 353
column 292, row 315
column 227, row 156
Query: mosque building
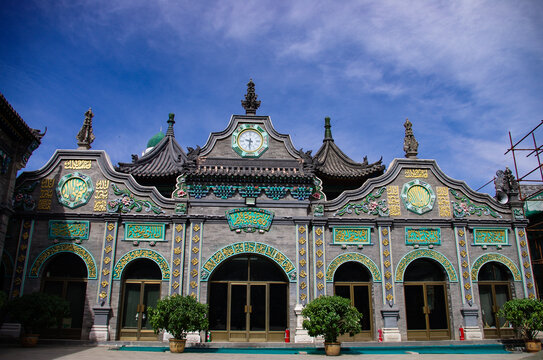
column 257, row 229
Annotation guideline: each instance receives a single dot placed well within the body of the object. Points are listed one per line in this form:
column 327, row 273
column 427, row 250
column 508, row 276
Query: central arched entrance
column 248, row 300
column 425, row 290
column 141, row 281
column 494, row 291
column 352, row 281
column 65, row 275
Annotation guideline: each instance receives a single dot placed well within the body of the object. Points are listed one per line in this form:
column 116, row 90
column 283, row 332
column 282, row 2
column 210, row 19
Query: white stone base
column 391, row 335
column 99, row 333
column 473, row 333
column 194, row 337
column 302, row 337
column 11, row 330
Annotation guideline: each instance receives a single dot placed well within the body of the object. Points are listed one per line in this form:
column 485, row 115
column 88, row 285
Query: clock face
column 250, row 140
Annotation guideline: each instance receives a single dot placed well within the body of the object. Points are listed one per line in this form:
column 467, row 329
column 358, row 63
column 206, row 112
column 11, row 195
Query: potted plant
column 331, row 316
column 37, row 311
column 526, row 316
column 178, row 315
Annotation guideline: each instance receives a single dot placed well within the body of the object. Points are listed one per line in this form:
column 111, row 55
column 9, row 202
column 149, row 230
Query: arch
column 360, row 258
column 425, row 253
column 483, row 259
column 80, row 251
column 138, row 254
column 249, row 247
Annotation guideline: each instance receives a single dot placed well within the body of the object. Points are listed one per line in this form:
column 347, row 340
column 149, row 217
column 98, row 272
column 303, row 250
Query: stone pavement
column 82, row 352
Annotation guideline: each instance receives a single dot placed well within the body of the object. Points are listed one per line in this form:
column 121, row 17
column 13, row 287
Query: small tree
column 526, row 316
column 178, row 315
column 37, row 311
column 331, row 316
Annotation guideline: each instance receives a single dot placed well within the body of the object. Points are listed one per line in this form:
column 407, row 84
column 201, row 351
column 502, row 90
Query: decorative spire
column 250, row 104
column 410, row 144
column 85, row 137
column 171, row 121
column 327, row 130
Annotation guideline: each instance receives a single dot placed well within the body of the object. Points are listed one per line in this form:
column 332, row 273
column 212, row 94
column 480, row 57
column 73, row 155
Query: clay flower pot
column 532, row 346
column 177, row 346
column 332, row 349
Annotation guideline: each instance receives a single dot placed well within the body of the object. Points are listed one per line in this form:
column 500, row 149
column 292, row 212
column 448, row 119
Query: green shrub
column 178, row 315
column 37, row 311
column 331, row 316
column 526, row 316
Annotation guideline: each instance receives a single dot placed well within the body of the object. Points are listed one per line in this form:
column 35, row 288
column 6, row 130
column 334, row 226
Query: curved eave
column 335, row 163
column 165, row 159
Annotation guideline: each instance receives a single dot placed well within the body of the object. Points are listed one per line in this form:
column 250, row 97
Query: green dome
column 155, row 139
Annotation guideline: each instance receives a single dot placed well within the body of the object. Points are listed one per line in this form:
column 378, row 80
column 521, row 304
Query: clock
column 250, row 140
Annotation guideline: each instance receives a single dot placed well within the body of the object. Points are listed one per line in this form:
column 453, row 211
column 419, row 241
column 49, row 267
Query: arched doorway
column 141, row 281
column 494, row 282
column 65, row 275
column 352, row 281
column 248, row 300
column 425, row 290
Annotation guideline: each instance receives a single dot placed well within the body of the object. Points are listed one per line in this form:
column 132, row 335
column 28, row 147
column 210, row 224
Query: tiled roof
column 333, row 162
column 165, row 159
column 15, row 124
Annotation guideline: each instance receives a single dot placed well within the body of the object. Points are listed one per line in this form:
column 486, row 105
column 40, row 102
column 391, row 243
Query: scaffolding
column 532, row 172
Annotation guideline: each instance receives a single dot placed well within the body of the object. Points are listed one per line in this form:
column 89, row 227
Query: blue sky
column 464, row 72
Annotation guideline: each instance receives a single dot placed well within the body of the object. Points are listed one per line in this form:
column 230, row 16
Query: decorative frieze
column 249, row 219
column 109, row 246
column 425, row 253
column 126, row 202
column 351, row 256
column 194, row 248
column 101, row 195
column 494, row 236
column 80, row 251
column 249, row 247
column 319, row 260
column 69, row 229
column 464, row 207
column 416, row 173
column 418, row 196
column 142, row 253
column 526, row 264
column 144, row 231
column 462, row 255
column 387, row 266
column 483, row 259
column 422, row 236
column 77, row 164
column 47, row 188
column 21, row 257
column 372, row 204
column 303, row 263
column 355, row 235
column 443, row 201
column 393, row 197
column 74, row 190
column 177, row 258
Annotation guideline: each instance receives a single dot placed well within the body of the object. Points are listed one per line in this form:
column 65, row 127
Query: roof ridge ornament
column 250, row 104
column 171, row 121
column 327, row 130
column 410, row 144
column 85, row 136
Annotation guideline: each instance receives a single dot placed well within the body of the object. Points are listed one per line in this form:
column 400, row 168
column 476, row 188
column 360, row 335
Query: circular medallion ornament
column 418, row 196
column 250, row 140
column 74, row 190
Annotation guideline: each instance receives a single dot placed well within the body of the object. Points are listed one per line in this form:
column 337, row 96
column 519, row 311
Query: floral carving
column 372, row 204
column 127, row 202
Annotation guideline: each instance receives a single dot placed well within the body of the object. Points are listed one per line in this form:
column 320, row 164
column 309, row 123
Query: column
column 102, row 308
column 470, row 311
column 177, row 258
column 303, row 281
column 389, row 311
